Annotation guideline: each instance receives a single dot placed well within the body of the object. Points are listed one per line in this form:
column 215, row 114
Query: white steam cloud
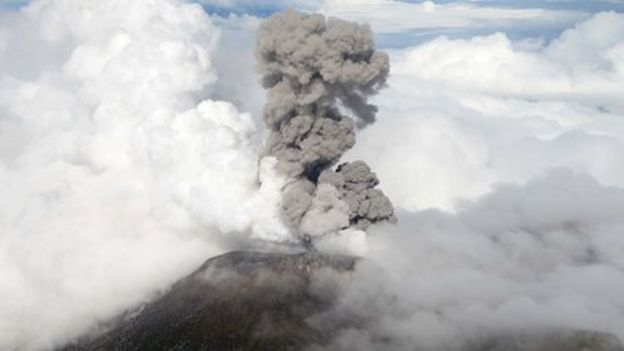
column 117, row 176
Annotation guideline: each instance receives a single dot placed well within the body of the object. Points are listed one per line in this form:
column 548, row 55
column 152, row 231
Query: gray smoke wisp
column 315, row 69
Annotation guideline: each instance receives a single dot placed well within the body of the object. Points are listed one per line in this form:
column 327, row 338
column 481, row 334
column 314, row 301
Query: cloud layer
column 517, row 261
column 118, row 174
column 471, row 113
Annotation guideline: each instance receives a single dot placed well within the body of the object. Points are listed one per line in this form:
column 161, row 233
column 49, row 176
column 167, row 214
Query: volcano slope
column 237, row 301
column 246, row 300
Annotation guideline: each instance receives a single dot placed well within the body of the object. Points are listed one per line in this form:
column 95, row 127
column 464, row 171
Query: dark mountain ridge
column 245, row 300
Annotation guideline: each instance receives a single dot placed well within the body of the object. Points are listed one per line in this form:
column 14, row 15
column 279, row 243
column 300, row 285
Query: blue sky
column 558, row 15
column 12, row 4
column 583, row 5
column 265, row 8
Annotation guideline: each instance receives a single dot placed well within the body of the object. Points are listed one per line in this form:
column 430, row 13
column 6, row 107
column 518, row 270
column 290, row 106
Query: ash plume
column 315, row 69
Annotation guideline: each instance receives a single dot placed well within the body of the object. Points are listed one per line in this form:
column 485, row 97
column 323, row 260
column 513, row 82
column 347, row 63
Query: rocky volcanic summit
column 237, row 301
column 276, row 301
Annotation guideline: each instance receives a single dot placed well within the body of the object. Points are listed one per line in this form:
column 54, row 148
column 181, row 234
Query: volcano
column 236, row 301
column 245, row 300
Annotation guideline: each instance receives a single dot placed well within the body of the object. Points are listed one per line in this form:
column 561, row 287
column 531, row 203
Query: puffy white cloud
column 584, row 60
column 118, row 174
column 466, row 114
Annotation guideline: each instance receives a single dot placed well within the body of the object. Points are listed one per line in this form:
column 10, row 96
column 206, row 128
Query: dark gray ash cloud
column 315, row 71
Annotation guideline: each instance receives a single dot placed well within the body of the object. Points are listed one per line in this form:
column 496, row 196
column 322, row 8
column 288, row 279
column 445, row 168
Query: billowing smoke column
column 313, row 70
